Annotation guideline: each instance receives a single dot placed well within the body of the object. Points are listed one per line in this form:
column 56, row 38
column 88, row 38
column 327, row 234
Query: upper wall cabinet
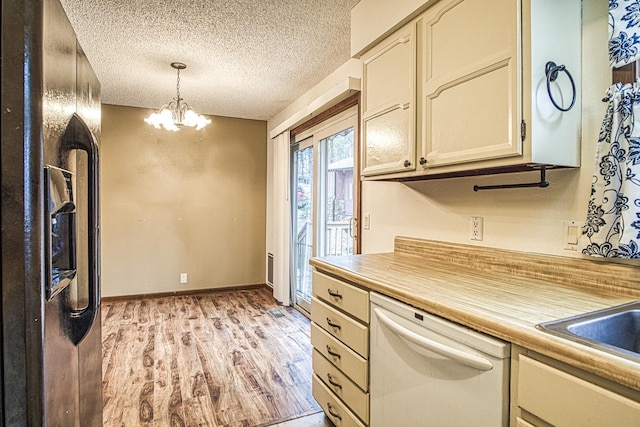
column 483, row 102
column 470, row 82
column 388, row 104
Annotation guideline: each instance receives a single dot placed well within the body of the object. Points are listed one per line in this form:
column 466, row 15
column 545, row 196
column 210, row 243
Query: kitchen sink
column 615, row 330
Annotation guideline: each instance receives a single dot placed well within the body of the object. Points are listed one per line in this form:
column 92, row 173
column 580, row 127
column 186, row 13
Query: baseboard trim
column 189, row 292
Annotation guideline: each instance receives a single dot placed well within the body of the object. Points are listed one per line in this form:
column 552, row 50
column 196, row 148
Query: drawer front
column 356, row 399
column 345, row 359
column 349, row 331
column 346, row 297
column 339, row 414
column 548, row 393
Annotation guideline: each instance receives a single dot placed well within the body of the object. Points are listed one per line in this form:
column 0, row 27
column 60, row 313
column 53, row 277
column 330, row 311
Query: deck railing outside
column 338, row 242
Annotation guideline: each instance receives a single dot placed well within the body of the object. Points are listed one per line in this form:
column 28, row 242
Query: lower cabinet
column 340, row 339
column 544, row 391
column 548, row 395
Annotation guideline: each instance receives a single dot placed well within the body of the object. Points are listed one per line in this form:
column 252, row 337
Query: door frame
column 348, row 108
column 336, row 126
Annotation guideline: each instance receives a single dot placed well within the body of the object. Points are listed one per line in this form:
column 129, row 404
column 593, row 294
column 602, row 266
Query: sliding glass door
column 302, row 224
column 337, row 227
column 325, row 199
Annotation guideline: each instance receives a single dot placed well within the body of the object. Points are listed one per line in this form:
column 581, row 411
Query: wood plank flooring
column 228, row 358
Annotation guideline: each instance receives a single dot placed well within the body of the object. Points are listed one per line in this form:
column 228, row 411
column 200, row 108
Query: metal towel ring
column 551, row 70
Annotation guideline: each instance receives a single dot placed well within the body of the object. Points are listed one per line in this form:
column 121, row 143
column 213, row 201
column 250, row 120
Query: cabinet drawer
column 345, row 359
column 565, row 400
column 349, row 331
column 356, row 399
column 339, row 414
column 344, row 296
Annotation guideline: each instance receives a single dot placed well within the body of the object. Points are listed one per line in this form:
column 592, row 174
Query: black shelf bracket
column 542, row 184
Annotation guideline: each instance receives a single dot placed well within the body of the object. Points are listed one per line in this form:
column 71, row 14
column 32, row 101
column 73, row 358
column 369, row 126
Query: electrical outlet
column 183, row 278
column 476, row 227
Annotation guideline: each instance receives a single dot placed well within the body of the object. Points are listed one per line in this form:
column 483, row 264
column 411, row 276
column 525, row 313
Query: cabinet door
column 562, row 399
column 388, row 124
column 471, row 89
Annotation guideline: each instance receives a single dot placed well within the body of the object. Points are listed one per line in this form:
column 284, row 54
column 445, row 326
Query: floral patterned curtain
column 612, row 228
column 624, row 31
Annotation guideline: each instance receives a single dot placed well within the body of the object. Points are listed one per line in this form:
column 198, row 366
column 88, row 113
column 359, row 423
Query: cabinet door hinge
column 523, row 130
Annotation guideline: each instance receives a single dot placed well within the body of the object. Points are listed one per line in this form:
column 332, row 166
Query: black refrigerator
column 51, row 367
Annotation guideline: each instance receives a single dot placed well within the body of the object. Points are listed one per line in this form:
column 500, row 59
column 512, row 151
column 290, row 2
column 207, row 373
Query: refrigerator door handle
column 78, row 136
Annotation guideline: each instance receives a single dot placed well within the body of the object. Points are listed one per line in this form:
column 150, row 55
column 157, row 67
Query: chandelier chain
column 178, row 84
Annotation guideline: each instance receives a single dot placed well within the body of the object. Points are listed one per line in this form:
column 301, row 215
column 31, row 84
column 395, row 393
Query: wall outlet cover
column 571, row 231
column 477, row 226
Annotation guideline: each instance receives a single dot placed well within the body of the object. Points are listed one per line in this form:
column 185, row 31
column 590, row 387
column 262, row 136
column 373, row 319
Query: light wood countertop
column 505, row 304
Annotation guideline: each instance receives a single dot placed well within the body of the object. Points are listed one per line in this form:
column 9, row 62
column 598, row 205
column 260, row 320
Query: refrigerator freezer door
column 72, row 362
column 51, row 380
column 60, row 355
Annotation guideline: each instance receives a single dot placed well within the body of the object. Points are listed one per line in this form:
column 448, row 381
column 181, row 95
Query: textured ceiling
column 245, row 58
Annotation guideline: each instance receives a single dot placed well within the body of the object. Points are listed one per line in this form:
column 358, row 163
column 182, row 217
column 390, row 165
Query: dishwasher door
column 426, row 371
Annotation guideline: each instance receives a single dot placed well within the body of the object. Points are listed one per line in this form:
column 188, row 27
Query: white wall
column 519, row 219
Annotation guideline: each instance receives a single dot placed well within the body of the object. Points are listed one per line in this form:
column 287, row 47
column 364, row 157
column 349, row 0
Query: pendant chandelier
column 177, row 113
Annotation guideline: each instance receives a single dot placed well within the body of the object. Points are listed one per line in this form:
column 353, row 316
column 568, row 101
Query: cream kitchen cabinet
column 480, row 87
column 549, row 393
column 470, row 82
column 340, row 339
column 388, row 104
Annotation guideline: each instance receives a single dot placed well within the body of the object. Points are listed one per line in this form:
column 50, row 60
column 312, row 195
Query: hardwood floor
column 228, row 358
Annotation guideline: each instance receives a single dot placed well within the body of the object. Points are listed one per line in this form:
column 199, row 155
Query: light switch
column 571, row 234
column 366, row 221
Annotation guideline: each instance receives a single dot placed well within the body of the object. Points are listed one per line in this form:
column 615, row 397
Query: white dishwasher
column 427, row 371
